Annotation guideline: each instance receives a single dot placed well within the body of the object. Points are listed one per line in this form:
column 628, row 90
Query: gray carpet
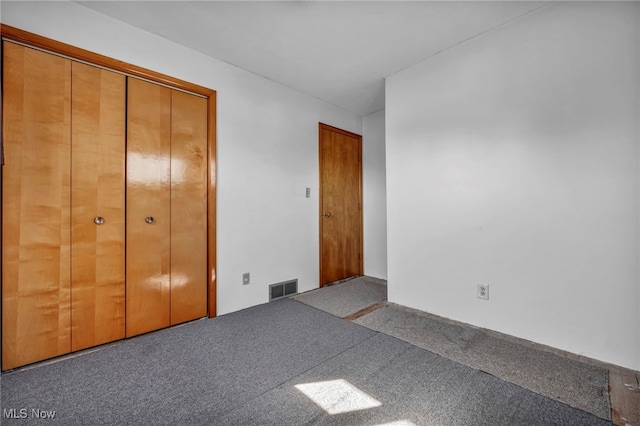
column 577, row 384
column 413, row 387
column 242, row 368
column 346, row 298
column 180, row 375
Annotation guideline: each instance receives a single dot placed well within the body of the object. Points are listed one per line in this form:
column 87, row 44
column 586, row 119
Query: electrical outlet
column 246, row 278
column 483, row 291
column 307, row 192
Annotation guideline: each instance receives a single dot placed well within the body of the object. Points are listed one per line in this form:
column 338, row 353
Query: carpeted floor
column 412, row 386
column 281, row 363
column 185, row 375
column 575, row 383
column 346, row 298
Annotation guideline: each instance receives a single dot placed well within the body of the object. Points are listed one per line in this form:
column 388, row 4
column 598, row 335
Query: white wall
column 513, row 160
column 374, row 203
column 267, row 148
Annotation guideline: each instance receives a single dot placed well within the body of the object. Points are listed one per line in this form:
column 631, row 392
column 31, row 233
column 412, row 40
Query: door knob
column 98, row 220
column 149, row 220
column 327, row 214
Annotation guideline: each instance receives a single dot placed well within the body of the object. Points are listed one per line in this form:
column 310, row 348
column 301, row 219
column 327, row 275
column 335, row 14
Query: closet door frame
column 39, row 42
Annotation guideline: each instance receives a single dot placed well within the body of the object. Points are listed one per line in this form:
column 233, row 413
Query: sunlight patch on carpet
column 338, row 396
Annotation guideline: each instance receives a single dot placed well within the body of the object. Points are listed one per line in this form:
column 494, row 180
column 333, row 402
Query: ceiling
column 337, row 51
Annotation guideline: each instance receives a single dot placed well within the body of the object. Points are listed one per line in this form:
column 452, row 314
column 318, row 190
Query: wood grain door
column 36, row 220
column 148, row 257
column 188, row 207
column 97, row 206
column 340, row 204
column 65, row 127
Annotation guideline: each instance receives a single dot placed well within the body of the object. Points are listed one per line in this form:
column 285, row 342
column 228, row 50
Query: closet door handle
column 99, row 220
column 149, row 220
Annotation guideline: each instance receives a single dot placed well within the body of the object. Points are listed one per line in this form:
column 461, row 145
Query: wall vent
column 283, row 289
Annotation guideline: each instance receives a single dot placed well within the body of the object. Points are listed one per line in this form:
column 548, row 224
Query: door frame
column 28, row 39
column 321, row 127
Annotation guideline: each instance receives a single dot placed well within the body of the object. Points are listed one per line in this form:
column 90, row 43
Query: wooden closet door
column 36, row 206
column 188, row 207
column 97, row 206
column 148, row 258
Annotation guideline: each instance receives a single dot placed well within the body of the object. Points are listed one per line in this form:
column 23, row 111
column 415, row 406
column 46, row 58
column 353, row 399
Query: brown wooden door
column 36, row 221
column 148, row 257
column 166, row 207
column 97, row 206
column 340, row 204
column 63, row 206
column 188, row 207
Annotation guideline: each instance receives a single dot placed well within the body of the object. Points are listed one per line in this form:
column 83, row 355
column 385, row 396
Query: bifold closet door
column 36, row 206
column 188, row 207
column 166, row 207
column 79, row 141
column 63, row 206
column 97, row 206
column 148, row 267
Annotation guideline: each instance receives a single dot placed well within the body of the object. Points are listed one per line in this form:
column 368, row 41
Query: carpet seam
column 502, row 379
column 376, row 333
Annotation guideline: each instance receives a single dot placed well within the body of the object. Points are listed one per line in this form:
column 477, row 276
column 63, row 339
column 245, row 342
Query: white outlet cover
column 483, row 291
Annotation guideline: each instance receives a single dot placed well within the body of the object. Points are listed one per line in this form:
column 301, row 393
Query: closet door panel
column 148, row 257
column 97, row 206
column 188, row 207
column 36, row 206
